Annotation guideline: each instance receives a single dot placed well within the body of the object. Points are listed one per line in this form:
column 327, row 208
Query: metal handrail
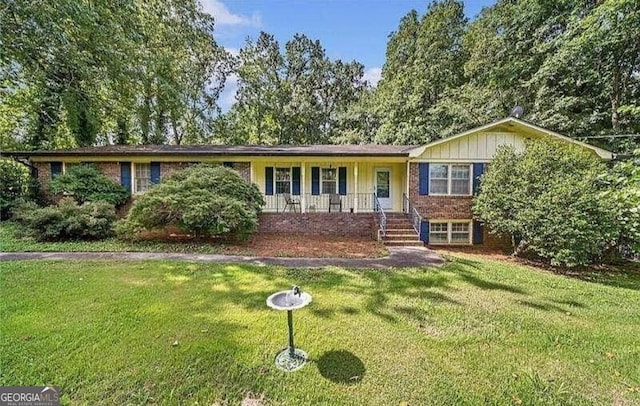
column 409, row 209
column 382, row 217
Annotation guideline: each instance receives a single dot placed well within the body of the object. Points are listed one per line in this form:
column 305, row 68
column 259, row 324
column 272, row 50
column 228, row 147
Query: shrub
column 67, row 220
column 624, row 195
column 86, row 183
column 14, row 186
column 202, row 200
column 549, row 199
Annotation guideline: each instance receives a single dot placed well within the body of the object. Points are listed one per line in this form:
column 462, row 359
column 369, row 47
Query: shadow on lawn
column 341, row 366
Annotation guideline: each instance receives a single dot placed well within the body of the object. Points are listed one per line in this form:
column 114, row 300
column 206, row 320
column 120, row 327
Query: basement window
column 450, row 232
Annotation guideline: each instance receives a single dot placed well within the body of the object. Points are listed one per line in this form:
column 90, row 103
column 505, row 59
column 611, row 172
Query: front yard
column 474, row 331
column 261, row 244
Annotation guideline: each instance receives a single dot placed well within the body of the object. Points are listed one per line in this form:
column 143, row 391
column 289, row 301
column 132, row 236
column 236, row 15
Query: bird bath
column 290, row 359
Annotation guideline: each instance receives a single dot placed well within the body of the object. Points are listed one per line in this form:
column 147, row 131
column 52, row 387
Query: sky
column 348, row 29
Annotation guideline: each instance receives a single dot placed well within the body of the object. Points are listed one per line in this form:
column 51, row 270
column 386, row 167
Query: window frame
column 322, row 181
column 450, row 179
column 135, row 178
column 275, row 180
column 450, row 231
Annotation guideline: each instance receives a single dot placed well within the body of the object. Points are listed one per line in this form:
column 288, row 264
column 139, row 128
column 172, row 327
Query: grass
column 10, row 241
column 475, row 331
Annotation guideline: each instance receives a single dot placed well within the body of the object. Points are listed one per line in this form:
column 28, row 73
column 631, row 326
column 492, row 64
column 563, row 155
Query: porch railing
column 382, row 218
column 409, row 209
column 309, row 203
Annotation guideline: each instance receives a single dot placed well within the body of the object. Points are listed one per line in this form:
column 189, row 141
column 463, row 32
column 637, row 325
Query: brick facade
column 338, row 224
column 244, row 169
column 166, row 168
column 437, row 207
column 111, row 169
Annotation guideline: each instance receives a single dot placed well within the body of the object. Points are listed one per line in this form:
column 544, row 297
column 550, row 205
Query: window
column 450, row 232
column 438, row 179
column 143, row 177
column 450, row 179
column 329, row 181
column 283, row 180
column 438, row 233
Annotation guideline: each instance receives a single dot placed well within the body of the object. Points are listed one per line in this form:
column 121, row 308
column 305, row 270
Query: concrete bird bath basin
column 290, row 359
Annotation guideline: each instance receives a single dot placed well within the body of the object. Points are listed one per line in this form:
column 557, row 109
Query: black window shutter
column 478, row 170
column 315, row 180
column 342, row 180
column 268, row 180
column 423, row 173
column 477, row 232
column 295, row 180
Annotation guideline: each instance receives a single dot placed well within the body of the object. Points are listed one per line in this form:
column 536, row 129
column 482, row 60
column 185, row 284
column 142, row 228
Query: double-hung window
column 283, row 180
column 450, row 232
column 450, row 179
column 329, row 181
column 142, row 177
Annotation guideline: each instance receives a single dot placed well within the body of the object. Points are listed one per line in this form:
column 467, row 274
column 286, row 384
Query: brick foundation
column 337, row 224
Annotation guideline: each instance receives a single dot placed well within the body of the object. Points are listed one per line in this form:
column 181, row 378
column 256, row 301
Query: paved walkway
column 399, row 257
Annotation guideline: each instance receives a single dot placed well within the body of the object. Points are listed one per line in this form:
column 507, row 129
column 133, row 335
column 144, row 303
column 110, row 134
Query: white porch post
column 355, row 187
column 303, row 190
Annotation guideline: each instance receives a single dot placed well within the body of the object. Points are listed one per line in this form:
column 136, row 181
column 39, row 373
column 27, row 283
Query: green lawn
column 10, row 241
column 472, row 332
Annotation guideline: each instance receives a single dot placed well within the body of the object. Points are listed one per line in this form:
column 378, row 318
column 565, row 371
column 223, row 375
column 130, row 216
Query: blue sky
column 348, row 29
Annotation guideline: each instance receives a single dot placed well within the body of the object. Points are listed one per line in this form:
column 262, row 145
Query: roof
column 228, row 150
column 418, row 151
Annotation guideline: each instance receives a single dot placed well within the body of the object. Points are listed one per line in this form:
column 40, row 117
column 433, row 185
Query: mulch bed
column 285, row 245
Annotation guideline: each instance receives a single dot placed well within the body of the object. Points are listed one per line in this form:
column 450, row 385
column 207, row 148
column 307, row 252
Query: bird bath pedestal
column 290, row 359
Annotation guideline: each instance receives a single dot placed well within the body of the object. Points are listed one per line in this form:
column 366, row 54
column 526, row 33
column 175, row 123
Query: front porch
column 339, row 186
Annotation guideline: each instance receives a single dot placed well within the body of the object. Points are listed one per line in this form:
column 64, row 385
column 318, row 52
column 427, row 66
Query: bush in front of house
column 624, row 195
column 67, row 220
column 15, row 183
column 202, row 200
column 549, row 198
column 85, row 183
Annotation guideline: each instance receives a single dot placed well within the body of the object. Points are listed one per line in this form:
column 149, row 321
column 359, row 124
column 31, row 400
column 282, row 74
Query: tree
column 14, row 187
column 291, row 96
column 624, row 194
column 81, row 73
column 206, row 201
column 549, row 199
column 424, row 60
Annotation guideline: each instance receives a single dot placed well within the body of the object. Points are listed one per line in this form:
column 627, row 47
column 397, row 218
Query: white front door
column 383, row 187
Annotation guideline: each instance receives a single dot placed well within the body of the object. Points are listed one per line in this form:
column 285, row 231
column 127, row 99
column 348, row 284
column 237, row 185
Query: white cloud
column 224, row 16
column 372, row 75
column 232, row 51
column 228, row 95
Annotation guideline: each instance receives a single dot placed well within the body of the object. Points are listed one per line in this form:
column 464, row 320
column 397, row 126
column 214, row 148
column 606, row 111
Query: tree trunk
column 615, row 102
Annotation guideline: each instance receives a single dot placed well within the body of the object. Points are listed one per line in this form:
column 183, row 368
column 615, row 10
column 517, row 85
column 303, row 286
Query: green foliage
column 293, row 95
column 203, row 200
column 624, row 195
column 14, row 185
column 424, row 60
column 67, row 220
column 549, row 197
column 86, row 183
column 81, row 72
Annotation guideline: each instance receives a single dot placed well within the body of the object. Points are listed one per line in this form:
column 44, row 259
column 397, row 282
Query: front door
column 383, row 187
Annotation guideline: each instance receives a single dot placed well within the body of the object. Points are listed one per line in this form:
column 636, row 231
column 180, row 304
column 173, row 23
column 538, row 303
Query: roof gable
column 508, row 125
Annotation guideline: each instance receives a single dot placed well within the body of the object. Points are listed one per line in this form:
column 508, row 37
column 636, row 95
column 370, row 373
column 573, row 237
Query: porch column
column 355, row 186
column 303, row 189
